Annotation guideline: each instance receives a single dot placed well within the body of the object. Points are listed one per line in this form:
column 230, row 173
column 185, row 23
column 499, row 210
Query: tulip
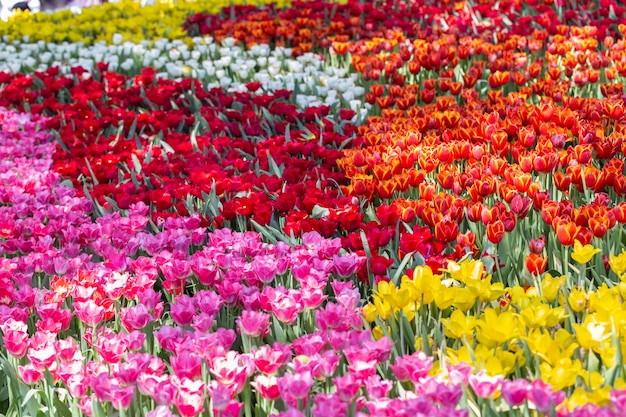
column 583, row 254
column 485, row 386
column 495, row 231
column 254, row 323
column 536, row 264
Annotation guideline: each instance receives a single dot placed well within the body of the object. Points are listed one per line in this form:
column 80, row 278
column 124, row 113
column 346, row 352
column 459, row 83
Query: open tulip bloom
column 386, row 208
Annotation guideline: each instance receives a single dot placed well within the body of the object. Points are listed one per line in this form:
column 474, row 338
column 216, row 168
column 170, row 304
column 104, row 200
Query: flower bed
column 323, row 209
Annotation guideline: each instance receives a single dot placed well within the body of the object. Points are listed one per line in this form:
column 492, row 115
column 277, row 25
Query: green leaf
column 58, row 138
column 66, row 183
column 97, row 410
column 30, row 395
column 112, row 203
column 396, row 276
column 319, row 212
column 133, row 128
column 193, row 136
column 166, row 147
column 95, row 109
column 61, row 408
column 93, row 176
column 136, row 163
column 274, row 168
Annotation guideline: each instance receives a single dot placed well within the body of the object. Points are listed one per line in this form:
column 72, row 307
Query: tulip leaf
column 30, row 395
column 166, row 147
column 133, row 127
column 59, row 140
column 95, row 109
column 193, row 137
column 274, row 168
column 113, row 203
column 97, row 410
column 136, row 163
column 61, row 408
column 93, row 176
column 402, row 267
column 319, row 212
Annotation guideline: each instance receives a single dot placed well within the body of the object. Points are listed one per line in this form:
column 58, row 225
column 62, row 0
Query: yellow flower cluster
column 99, row 23
column 571, row 338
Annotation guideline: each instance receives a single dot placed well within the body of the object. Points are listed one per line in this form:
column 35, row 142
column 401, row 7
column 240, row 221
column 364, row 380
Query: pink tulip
column 543, row 397
column 208, row 302
column 89, row 312
column 328, row 405
column 291, row 412
column 515, row 392
column 485, row 386
column 152, row 301
column 230, row 371
column 309, row 344
column 158, row 387
column 269, row 360
column 111, row 347
column 323, row 366
column 312, row 298
column 347, row 387
column 332, row 317
column 295, row 387
column 264, row 268
column 412, row 367
column 186, row 365
column 220, row 395
column 29, row 374
column 618, row 401
column 361, row 362
column 254, row 323
column 67, row 350
column 183, row 310
column 169, row 337
column 15, row 337
column 266, row 386
column 42, row 356
column 377, row 387
column 203, row 322
column 189, row 399
column 135, row 317
column 160, row 411
column 346, row 265
column 446, row 394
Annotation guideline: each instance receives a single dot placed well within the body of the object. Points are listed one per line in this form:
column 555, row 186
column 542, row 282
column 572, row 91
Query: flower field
column 314, row 208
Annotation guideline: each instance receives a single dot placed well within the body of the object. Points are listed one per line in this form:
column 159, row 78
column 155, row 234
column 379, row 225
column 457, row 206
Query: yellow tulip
column 459, row 325
column 535, row 316
column 444, row 297
column 497, row 328
column 581, row 397
column 377, row 333
column 618, row 263
column 583, row 254
column 591, row 334
column 577, row 299
column 370, row 312
column 563, row 374
column 550, row 286
column 484, row 290
column 401, row 298
column 463, row 299
column 423, row 278
column 383, row 308
column 468, row 269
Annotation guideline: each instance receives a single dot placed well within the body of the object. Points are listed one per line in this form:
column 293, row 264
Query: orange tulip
column 446, row 230
column 566, row 231
column 536, row 263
